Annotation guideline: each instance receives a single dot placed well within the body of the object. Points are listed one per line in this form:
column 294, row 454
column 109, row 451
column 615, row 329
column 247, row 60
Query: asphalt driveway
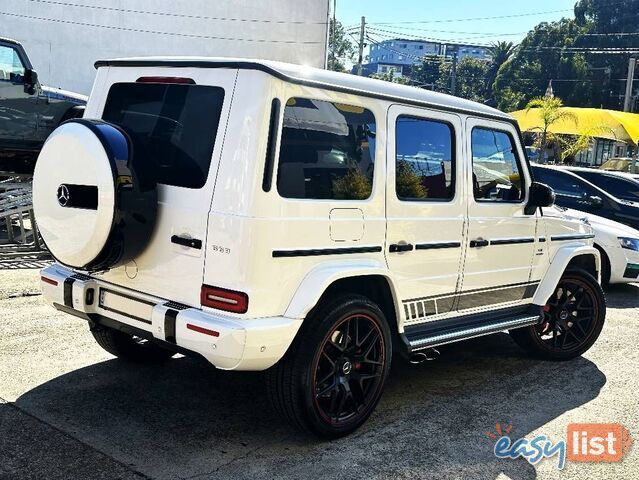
column 70, row 410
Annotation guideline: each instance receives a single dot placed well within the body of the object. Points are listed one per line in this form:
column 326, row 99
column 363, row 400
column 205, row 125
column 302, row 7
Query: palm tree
column 500, row 53
column 550, row 110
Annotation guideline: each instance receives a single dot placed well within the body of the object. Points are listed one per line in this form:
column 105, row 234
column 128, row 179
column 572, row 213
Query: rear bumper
column 228, row 343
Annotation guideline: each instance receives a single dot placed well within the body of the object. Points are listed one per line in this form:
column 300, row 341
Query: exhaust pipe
column 426, row 356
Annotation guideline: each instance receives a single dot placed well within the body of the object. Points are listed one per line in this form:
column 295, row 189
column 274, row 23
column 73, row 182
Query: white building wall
column 63, row 38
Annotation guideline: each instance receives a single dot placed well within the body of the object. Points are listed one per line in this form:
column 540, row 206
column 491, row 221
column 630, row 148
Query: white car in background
column 617, row 243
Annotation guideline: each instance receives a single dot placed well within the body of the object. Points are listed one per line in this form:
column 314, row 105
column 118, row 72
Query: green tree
column 340, row 47
column 428, row 72
column 408, row 182
column 471, row 79
column 499, row 52
column 550, row 111
column 389, row 76
column 540, row 57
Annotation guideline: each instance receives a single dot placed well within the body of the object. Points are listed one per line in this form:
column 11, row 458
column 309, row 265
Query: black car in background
column 574, row 192
column 29, row 111
column 621, row 185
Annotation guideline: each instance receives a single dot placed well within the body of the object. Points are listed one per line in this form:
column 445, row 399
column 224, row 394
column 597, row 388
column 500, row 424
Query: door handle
column 187, row 242
column 478, row 243
column 400, row 247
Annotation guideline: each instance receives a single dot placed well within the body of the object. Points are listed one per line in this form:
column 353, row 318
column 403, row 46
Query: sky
column 433, row 18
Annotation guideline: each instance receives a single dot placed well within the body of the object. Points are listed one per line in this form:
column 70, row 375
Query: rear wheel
column 128, row 347
column 332, row 377
column 573, row 319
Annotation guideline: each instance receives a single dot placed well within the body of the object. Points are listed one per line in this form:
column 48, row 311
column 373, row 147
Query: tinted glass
column 563, row 184
column 617, row 187
column 327, row 151
column 11, row 68
column 172, row 127
column 496, row 171
column 424, row 159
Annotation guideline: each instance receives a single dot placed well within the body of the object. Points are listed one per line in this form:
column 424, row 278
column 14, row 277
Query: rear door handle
column 403, row 247
column 187, row 242
column 478, row 243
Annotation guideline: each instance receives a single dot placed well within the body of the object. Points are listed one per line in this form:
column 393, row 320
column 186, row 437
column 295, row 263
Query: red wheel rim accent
column 348, row 370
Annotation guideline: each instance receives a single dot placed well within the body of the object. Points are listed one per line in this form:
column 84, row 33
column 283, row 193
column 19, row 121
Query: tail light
column 223, row 299
column 50, row 281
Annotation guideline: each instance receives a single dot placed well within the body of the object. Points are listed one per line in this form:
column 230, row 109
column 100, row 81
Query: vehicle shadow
column 622, row 295
column 185, row 418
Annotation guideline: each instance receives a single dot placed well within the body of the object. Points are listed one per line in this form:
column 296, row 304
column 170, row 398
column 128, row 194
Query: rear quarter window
column 172, row 127
column 327, row 151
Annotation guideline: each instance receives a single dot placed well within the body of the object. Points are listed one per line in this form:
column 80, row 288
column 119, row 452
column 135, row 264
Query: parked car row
column 609, row 202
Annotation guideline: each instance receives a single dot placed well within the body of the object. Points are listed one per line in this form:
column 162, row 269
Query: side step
column 441, row 332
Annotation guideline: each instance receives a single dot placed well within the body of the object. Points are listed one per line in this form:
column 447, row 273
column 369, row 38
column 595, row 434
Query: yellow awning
column 620, row 126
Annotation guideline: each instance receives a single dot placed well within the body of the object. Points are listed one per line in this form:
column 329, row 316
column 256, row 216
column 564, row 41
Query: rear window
column 327, row 151
column 172, row 127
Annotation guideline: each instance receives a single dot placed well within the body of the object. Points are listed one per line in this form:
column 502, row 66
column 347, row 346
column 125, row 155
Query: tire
column 323, row 358
column 573, row 319
column 128, row 347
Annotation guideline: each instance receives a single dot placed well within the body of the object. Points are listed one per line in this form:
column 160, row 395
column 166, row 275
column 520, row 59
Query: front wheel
column 573, row 319
column 332, row 377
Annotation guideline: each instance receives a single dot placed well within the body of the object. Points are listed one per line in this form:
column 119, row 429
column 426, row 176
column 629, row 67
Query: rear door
column 426, row 209
column 177, row 127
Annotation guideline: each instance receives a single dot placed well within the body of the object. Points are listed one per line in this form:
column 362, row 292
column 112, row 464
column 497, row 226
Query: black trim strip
column 437, row 245
column 315, row 252
column 542, row 239
column 512, row 241
column 169, row 325
column 248, row 65
column 267, row 180
column 561, row 238
column 68, row 291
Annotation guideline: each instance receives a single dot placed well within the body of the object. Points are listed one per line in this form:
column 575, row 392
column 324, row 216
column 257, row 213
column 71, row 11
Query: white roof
column 327, row 79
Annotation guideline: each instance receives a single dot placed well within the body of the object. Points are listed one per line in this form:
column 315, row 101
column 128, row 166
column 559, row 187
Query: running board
column 441, row 332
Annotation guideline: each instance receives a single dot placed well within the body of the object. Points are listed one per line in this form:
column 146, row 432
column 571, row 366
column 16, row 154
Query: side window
column 327, row 151
column 424, row 162
column 11, row 68
column 497, row 174
column 562, row 184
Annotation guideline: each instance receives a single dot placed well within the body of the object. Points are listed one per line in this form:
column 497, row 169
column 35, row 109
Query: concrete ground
column 69, row 410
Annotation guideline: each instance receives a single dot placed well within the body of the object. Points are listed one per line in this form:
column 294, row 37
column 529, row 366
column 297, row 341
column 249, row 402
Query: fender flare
column 320, row 278
column 558, row 266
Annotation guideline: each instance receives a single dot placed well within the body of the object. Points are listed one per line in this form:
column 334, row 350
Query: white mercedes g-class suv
column 311, row 224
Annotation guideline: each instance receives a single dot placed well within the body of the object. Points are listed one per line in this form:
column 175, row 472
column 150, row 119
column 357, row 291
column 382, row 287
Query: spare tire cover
column 94, row 209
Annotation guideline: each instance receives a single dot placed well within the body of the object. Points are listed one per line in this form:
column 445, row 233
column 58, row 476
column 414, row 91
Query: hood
column 599, row 223
column 59, row 94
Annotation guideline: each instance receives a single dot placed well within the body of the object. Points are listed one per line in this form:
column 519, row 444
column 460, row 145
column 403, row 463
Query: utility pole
column 453, row 75
column 631, row 77
column 360, row 59
column 627, row 104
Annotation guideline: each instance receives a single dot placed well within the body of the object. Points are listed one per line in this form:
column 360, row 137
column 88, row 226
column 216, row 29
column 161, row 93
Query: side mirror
column 541, row 195
column 30, row 81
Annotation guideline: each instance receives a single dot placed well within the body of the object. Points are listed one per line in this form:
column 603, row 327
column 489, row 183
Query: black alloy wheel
column 349, row 369
column 332, row 376
column 572, row 319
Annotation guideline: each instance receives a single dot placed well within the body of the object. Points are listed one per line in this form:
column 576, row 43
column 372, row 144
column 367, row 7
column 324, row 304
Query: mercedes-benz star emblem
column 63, row 195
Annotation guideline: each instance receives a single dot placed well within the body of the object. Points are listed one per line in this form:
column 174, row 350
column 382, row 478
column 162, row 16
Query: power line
column 167, row 14
column 473, row 19
column 157, row 32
